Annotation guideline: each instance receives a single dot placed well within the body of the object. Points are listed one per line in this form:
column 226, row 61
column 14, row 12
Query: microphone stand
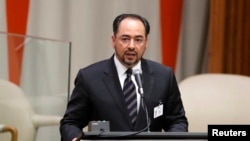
column 138, row 79
column 144, row 106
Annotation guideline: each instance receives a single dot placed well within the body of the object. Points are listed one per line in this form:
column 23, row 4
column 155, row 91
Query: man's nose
column 131, row 44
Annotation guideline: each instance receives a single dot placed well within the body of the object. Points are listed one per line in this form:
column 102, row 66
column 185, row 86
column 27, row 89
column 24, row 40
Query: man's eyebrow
column 137, row 36
column 125, row 35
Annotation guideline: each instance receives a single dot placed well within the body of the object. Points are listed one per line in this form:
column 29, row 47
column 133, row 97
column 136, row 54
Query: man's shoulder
column 99, row 65
column 156, row 65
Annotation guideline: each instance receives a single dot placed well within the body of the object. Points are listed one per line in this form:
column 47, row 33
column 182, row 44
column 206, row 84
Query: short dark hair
column 119, row 18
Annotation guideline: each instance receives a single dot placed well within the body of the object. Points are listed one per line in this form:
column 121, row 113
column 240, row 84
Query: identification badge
column 158, row 111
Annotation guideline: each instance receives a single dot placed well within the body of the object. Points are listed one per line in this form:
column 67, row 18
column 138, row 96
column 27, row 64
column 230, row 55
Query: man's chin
column 130, row 63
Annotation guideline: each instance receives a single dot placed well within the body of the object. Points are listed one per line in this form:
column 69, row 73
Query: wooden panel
column 229, row 40
column 216, row 35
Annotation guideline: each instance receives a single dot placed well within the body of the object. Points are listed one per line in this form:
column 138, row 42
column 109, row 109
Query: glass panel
column 45, row 70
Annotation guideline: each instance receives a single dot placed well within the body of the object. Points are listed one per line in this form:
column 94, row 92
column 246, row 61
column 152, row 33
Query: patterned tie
column 129, row 92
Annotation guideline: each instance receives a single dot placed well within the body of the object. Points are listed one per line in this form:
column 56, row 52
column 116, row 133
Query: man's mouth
column 130, row 55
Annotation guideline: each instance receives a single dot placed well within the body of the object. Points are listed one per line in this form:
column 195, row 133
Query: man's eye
column 125, row 39
column 138, row 40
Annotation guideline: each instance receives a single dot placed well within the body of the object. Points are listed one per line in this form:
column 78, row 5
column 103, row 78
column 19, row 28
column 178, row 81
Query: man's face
column 130, row 42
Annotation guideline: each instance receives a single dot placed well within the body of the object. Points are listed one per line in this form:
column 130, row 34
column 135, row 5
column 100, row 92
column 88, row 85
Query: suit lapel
column 112, row 82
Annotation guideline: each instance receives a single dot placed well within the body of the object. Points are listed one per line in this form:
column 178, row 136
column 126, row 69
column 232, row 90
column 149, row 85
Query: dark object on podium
column 144, row 135
column 98, row 126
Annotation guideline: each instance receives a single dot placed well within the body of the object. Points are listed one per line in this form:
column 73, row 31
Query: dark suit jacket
column 98, row 96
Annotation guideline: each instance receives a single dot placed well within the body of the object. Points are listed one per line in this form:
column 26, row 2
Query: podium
column 197, row 136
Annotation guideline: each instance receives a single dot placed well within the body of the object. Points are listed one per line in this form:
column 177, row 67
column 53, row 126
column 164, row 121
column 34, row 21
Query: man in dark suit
column 98, row 93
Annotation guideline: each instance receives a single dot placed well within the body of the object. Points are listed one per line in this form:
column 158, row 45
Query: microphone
column 138, row 78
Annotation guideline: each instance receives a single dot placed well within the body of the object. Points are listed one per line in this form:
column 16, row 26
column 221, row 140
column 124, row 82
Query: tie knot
column 129, row 72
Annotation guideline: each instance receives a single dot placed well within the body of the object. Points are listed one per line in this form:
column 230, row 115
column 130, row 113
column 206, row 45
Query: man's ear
column 113, row 40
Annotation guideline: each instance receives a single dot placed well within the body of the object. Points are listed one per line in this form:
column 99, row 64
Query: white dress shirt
column 121, row 70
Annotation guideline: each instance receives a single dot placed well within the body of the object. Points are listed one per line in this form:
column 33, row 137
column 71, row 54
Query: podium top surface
column 143, row 135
